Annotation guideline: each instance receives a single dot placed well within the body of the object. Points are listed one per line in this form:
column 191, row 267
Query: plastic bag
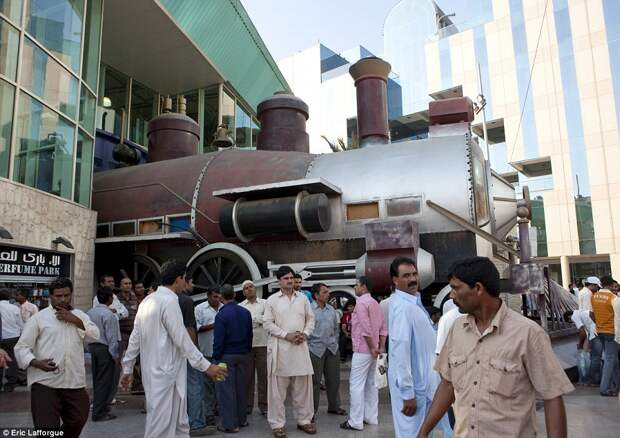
column 381, row 370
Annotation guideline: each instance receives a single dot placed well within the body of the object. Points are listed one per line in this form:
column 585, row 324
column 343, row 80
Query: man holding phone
column 51, row 348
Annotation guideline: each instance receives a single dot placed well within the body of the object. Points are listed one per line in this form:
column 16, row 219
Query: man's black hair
column 213, row 290
column 104, row 294
column 607, row 281
column 316, row 288
column 365, row 281
column 297, row 275
column 104, row 276
column 60, row 283
column 567, row 315
column 398, row 261
column 477, row 270
column 5, row 294
column 24, row 292
column 227, row 291
column 432, row 310
column 284, row 270
column 170, row 271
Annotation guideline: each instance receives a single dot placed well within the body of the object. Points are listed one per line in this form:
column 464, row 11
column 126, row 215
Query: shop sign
column 26, row 263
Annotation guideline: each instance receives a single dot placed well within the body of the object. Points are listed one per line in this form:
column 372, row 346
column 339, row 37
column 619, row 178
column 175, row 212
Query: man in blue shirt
column 232, row 343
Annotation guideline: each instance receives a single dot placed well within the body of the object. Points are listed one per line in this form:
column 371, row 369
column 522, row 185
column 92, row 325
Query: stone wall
column 35, row 218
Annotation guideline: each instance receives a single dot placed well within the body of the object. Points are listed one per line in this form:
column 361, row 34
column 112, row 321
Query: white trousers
column 363, row 391
column 166, row 415
column 301, row 398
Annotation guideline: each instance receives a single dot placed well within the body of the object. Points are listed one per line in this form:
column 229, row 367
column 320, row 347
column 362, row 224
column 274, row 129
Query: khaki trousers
column 301, row 397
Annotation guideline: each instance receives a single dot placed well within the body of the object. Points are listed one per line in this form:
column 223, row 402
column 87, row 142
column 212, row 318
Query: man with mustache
column 412, row 353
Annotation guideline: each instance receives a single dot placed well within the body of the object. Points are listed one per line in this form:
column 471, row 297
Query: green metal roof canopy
column 224, row 32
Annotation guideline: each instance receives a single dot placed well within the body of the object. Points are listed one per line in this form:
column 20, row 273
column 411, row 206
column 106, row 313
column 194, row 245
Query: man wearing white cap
column 591, row 286
column 257, row 365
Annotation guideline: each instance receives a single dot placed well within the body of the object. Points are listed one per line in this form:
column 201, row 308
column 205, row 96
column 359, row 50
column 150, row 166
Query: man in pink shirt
column 368, row 332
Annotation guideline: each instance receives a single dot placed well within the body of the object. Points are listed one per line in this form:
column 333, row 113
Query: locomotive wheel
column 145, row 270
column 339, row 299
column 215, row 268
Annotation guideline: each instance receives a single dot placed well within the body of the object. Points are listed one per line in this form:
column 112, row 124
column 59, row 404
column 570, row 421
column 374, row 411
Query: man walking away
column 232, row 343
column 604, row 343
column 11, row 325
column 257, row 364
column 51, row 348
column 104, row 354
column 587, row 333
column 164, row 345
column 495, row 364
column 107, row 280
column 323, row 345
column 368, row 332
column 289, row 320
column 205, row 319
column 412, row 353
column 591, row 286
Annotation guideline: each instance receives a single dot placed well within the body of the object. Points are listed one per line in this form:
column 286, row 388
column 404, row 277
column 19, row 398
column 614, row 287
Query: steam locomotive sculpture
column 239, row 214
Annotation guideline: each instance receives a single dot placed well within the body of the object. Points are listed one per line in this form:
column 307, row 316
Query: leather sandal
column 338, row 411
column 279, row 432
column 309, row 428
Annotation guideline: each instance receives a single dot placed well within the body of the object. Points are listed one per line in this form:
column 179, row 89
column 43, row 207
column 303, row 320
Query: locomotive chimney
column 172, row 135
column 283, row 124
column 370, row 76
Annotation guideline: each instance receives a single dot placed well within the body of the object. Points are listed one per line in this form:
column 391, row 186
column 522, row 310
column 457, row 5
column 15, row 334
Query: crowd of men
column 479, row 369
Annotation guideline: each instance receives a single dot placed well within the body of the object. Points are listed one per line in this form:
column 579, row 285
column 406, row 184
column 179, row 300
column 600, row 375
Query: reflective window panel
column 143, row 101
column 48, row 80
column 9, row 42
column 44, row 148
column 92, row 36
column 57, row 25
column 83, row 169
column 87, row 110
column 243, row 128
column 12, row 9
column 7, row 95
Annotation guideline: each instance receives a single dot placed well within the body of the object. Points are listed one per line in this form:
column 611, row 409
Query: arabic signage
column 32, row 264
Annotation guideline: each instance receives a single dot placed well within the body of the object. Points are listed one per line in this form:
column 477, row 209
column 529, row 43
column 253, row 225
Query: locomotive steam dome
column 283, row 124
column 172, row 135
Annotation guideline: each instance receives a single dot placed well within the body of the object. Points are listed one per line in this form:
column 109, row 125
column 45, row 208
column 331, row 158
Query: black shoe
column 210, row 421
column 106, row 417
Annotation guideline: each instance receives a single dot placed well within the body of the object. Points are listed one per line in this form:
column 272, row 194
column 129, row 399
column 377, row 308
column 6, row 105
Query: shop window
column 44, row 148
column 103, row 230
column 9, row 41
column 57, row 25
column 124, row 228
column 243, row 128
column 151, row 226
column 83, row 169
column 211, row 116
column 255, row 131
column 7, row 96
column 12, row 9
column 407, row 206
column 87, row 110
column 366, row 210
column 143, row 109
column 228, row 113
column 191, row 105
column 178, row 224
column 113, row 98
column 48, row 80
column 92, row 37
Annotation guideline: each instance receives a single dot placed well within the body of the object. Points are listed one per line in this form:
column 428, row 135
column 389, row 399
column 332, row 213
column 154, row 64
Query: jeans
column 605, row 345
column 195, row 395
column 232, row 393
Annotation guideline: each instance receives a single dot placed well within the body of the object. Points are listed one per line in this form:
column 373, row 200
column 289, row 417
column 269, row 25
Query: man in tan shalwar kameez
column 289, row 320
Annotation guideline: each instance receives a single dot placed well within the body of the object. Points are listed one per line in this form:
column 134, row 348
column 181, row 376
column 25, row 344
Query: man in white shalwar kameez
column 411, row 376
column 162, row 342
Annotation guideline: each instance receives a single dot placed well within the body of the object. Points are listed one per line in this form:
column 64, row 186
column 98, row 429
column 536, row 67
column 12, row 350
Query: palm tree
column 339, row 145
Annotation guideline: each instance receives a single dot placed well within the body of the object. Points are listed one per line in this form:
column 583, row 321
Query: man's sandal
column 280, row 432
column 347, row 426
column 309, row 428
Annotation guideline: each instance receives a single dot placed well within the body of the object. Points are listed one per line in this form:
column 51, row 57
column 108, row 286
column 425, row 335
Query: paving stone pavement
column 589, row 415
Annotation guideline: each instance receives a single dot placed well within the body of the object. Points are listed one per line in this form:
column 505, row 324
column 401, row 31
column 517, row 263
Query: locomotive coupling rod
column 165, row 187
column 474, row 229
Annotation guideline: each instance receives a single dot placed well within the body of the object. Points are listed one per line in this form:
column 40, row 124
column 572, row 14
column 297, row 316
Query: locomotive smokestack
column 283, row 124
column 370, row 76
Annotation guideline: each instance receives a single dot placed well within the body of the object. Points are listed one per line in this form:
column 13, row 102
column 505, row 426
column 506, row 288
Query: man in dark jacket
column 232, row 344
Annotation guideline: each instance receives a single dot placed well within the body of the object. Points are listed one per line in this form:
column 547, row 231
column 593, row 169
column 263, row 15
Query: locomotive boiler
column 239, row 214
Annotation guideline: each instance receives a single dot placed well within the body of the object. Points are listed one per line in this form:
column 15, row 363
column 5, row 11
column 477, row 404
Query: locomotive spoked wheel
column 339, row 299
column 216, row 268
column 145, row 270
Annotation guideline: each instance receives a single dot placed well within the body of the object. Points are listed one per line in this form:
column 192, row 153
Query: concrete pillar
column 614, row 261
column 565, row 268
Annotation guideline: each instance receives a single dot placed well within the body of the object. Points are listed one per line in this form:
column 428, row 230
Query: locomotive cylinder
column 283, row 124
column 302, row 213
column 370, row 76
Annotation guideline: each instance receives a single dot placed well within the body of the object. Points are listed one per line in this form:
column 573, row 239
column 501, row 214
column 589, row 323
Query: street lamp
column 440, row 19
column 4, row 233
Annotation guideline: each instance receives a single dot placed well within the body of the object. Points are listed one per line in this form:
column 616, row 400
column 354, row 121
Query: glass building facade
column 49, row 59
column 550, row 74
